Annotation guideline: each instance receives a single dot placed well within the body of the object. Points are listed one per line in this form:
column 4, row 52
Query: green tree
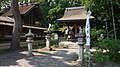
column 3, row 4
column 105, row 9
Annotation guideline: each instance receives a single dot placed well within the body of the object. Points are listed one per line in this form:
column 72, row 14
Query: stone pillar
column 81, row 46
column 29, row 40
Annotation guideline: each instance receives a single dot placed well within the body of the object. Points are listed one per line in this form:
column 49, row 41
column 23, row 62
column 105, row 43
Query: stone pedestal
column 81, row 54
column 29, row 47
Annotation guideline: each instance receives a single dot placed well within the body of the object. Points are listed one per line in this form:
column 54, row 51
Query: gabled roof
column 74, row 14
column 26, row 10
column 6, row 19
column 23, row 10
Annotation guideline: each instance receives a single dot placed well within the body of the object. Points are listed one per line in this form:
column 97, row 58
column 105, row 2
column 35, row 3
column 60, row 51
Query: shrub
column 95, row 36
column 111, row 48
column 54, row 42
column 99, row 57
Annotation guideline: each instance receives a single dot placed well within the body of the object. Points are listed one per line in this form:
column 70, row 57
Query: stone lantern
column 29, row 40
column 47, row 37
column 80, row 45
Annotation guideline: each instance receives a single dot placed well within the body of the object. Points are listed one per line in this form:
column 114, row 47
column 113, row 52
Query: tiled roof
column 74, row 14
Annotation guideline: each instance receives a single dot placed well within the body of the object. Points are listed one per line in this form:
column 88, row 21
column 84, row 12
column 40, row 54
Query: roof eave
column 72, row 20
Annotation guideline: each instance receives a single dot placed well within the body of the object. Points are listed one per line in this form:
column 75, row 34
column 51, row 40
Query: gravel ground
column 59, row 58
column 41, row 58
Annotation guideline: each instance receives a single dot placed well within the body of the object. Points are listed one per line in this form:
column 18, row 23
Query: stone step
column 73, row 46
column 68, row 44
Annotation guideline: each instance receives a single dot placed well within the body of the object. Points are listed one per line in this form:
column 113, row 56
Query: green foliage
column 63, row 28
column 54, row 9
column 54, row 42
column 95, row 36
column 102, row 9
column 111, row 46
column 95, row 33
column 101, row 58
column 108, row 49
column 3, row 4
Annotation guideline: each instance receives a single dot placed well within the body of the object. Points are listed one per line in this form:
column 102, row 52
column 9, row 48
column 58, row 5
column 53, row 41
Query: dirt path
column 59, row 58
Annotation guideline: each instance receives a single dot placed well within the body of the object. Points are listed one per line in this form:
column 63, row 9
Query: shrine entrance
column 74, row 18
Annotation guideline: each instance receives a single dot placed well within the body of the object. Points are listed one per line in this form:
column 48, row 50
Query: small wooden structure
column 74, row 16
column 29, row 14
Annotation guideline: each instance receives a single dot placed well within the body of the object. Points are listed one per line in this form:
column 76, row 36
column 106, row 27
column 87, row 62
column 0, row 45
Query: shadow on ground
column 57, row 59
column 9, row 58
column 61, row 58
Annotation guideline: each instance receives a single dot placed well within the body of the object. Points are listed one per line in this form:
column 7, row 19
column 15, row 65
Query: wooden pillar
column 3, row 32
column 76, row 28
column 68, row 29
column 32, row 19
column 29, row 20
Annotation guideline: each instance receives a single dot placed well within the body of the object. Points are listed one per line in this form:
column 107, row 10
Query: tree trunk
column 17, row 28
column 113, row 20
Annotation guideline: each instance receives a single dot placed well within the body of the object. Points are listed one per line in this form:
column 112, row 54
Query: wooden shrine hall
column 75, row 17
column 29, row 14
